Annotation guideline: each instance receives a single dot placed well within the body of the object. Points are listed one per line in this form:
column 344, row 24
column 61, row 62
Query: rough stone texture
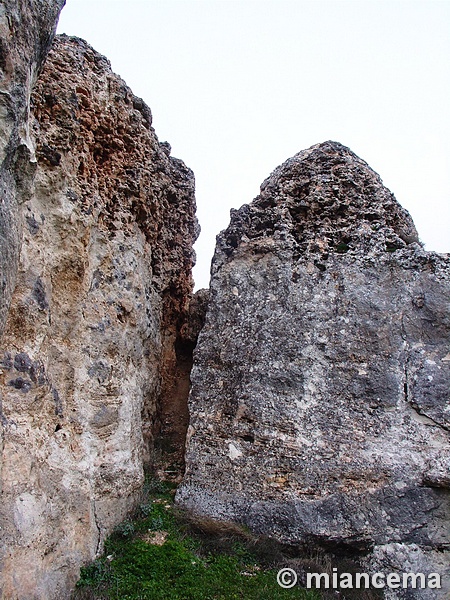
column 320, row 399
column 410, row 558
column 26, row 32
column 89, row 345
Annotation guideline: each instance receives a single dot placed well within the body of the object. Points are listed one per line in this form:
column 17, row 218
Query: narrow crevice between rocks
column 425, row 418
column 99, row 533
column 405, row 385
column 172, row 413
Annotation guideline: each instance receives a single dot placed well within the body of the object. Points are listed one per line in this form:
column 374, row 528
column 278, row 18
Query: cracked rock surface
column 88, row 351
column 320, row 399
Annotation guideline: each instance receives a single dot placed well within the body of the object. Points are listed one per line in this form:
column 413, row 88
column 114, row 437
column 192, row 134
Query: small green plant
column 124, row 530
column 145, row 509
column 342, row 248
column 156, row 524
column 95, row 574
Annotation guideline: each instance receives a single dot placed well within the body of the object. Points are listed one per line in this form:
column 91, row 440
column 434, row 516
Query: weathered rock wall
column 26, row 32
column 89, row 347
column 319, row 410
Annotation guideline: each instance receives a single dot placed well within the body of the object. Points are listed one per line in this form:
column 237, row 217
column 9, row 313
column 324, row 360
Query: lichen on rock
column 319, row 404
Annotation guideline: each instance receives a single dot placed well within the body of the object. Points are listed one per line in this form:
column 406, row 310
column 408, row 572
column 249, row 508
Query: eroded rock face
column 320, row 400
column 26, row 32
column 103, row 290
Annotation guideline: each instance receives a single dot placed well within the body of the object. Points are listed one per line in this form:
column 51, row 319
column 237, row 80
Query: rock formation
column 26, row 33
column 92, row 347
column 319, row 409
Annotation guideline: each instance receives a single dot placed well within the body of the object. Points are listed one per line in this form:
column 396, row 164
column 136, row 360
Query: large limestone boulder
column 320, row 399
column 89, row 350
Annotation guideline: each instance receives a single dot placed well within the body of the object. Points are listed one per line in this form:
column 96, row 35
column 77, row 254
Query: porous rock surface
column 319, row 410
column 89, row 351
column 27, row 28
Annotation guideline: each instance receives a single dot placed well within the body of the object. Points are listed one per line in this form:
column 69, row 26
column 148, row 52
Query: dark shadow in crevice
column 172, row 414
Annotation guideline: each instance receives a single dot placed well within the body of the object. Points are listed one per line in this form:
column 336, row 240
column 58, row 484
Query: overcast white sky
column 238, row 86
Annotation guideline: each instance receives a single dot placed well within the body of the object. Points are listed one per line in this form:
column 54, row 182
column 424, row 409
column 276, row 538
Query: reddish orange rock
column 92, row 353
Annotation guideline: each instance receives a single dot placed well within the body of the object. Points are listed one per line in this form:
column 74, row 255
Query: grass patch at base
column 160, row 555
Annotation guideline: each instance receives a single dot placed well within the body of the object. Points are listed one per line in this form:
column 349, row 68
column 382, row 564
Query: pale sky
column 239, row 86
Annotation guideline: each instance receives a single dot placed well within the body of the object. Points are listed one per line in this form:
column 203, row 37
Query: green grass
column 204, row 561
